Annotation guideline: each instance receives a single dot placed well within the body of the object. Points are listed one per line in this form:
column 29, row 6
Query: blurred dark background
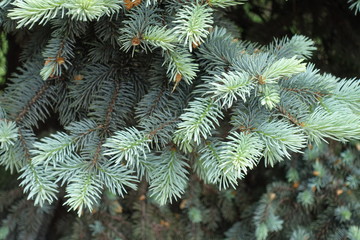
column 330, row 23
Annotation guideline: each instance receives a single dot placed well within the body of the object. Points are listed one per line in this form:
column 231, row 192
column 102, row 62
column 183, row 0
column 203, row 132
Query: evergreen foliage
column 153, row 91
column 315, row 197
column 354, row 5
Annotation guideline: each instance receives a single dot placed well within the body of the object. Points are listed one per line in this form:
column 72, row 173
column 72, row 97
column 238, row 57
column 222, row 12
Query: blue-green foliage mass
column 158, row 90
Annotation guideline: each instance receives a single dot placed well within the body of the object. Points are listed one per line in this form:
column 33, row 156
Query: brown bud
column 60, row 60
column 257, row 50
column 47, row 62
column 178, row 77
column 135, row 41
column 316, row 173
column 78, row 77
column 261, row 80
column 339, row 192
column 142, row 197
column 164, row 223
column 195, row 44
column 117, row 207
column 129, row 4
column 272, row 196
column 296, row 185
column 183, row 204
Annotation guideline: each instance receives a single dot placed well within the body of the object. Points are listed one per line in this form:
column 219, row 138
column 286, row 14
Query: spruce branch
column 128, row 145
column 8, row 134
column 160, row 126
column 208, row 168
column 169, row 180
column 300, row 233
column 354, row 231
column 269, row 95
column 137, row 23
column 160, row 37
column 306, row 94
column 18, row 155
column 246, row 118
column 57, row 55
column 53, row 149
column 279, row 137
column 26, row 141
column 116, row 178
column 306, row 198
column 219, row 51
column 83, row 131
column 354, row 5
column 63, row 171
column 104, row 115
column 253, row 63
column 192, row 23
column 33, row 104
column 228, row 87
column 5, row 3
column 297, row 46
column 12, row 158
column 88, row 10
column 310, row 82
column 197, row 122
column 348, row 92
column 321, row 124
column 180, row 66
column 207, row 165
column 29, row 12
column 108, row 30
column 62, row 146
column 240, row 152
column 38, row 183
column 83, row 191
column 96, row 75
column 283, row 68
column 157, row 97
column 288, row 115
column 225, row 3
column 265, row 218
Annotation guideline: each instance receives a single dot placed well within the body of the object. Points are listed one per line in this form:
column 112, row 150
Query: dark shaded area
column 331, row 24
column 13, row 55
